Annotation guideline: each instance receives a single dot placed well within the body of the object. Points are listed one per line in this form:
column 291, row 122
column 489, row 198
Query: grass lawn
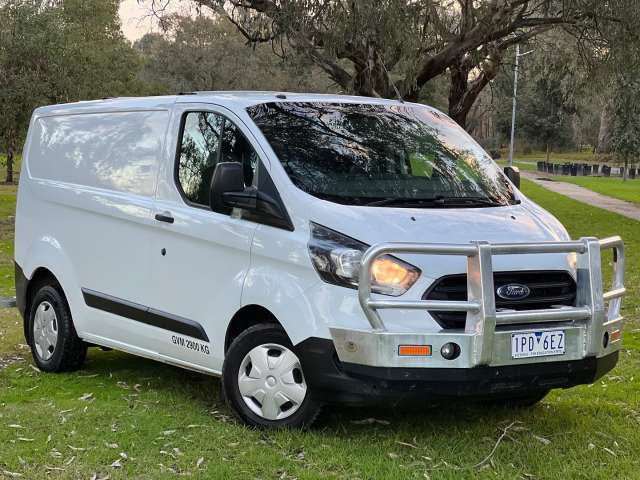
column 610, row 186
column 124, row 417
column 524, row 166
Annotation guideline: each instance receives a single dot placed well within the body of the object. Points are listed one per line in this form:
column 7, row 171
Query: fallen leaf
column 7, row 473
column 87, row 397
column 199, row 462
column 542, row 440
column 56, row 469
column 405, row 444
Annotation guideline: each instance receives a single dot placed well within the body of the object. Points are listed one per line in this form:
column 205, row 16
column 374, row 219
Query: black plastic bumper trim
column 337, row 382
column 143, row 314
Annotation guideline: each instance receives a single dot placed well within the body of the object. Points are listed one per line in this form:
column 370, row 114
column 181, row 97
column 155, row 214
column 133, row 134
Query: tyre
column 55, row 346
column 264, row 383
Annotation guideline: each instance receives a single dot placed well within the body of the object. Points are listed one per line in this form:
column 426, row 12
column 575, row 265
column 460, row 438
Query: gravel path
column 627, row 209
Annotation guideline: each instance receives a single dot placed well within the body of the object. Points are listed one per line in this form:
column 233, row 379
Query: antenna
column 395, row 89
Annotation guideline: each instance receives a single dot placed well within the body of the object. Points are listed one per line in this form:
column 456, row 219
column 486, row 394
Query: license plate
column 537, row 344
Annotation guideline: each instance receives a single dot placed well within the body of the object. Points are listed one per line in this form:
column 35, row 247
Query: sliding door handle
column 165, row 217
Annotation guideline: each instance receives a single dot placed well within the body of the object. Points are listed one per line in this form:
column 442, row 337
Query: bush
column 495, row 153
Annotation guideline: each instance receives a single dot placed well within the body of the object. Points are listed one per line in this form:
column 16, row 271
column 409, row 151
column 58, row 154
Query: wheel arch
column 247, row 316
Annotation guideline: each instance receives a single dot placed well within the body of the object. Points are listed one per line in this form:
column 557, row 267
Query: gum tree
column 367, row 46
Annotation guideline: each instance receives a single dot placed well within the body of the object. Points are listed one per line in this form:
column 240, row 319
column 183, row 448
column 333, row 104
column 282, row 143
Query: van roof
column 236, row 99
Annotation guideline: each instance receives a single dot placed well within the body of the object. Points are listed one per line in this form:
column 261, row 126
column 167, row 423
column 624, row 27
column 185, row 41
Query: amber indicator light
column 615, row 335
column 414, row 350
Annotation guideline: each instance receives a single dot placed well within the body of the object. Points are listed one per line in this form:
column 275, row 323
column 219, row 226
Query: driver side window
column 206, row 139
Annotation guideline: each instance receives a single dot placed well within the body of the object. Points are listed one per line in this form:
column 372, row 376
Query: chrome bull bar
column 482, row 318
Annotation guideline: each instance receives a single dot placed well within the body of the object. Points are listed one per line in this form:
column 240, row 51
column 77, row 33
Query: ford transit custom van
column 308, row 249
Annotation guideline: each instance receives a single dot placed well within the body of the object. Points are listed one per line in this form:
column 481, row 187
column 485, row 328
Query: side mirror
column 513, row 174
column 227, row 177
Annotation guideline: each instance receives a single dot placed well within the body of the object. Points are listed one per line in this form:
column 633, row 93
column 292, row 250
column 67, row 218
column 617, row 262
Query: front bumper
column 345, row 383
column 592, row 327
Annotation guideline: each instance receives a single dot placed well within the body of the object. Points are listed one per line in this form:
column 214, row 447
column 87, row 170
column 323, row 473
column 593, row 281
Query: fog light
column 450, row 351
column 605, row 340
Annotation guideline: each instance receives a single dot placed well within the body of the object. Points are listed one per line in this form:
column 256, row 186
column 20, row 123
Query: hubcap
column 271, row 382
column 45, row 331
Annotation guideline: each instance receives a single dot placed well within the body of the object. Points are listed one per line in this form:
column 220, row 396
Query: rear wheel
column 264, row 382
column 55, row 346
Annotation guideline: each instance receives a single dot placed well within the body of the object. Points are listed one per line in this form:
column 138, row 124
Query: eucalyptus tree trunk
column 10, row 156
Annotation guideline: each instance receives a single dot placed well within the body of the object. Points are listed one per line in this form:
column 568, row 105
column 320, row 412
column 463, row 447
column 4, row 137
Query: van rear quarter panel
column 85, row 205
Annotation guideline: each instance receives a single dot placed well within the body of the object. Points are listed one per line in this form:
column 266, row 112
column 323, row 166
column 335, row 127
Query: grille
column 547, row 288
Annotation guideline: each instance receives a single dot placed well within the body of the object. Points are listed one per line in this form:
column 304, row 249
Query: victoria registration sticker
column 537, row 344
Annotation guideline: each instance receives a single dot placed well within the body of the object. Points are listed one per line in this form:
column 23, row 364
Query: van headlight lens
column 337, row 257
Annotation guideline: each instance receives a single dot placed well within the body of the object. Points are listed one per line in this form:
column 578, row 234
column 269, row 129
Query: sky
column 135, row 17
column 134, row 25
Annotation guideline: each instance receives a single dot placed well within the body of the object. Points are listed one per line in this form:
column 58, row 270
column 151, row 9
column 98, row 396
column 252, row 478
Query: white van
column 310, row 249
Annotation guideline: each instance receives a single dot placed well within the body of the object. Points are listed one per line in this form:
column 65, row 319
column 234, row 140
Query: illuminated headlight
column 336, row 258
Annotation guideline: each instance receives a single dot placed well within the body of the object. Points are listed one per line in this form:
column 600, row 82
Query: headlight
column 337, row 257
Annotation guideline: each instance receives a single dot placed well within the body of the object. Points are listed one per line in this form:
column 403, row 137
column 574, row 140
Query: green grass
column 7, row 215
column 610, row 186
column 523, row 166
column 165, row 419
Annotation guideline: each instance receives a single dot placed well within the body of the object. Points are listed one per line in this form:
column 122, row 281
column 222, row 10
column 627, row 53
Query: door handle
column 165, row 217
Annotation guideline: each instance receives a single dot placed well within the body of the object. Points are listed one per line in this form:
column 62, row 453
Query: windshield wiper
column 437, row 201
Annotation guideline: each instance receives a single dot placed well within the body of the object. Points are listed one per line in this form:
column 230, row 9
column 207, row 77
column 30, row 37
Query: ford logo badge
column 513, row 291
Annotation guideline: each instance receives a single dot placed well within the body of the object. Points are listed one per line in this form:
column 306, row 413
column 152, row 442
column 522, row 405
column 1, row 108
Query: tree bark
column 10, row 155
column 548, row 152
column 604, row 134
column 463, row 92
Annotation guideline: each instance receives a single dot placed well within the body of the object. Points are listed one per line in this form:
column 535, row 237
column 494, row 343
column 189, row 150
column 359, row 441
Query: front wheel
column 263, row 380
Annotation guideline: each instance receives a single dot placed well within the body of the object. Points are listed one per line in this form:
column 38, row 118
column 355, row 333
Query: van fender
column 46, row 252
column 285, row 296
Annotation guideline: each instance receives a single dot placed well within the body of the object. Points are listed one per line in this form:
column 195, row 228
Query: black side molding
column 143, row 314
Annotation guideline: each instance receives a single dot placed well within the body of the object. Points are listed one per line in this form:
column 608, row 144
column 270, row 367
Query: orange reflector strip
column 615, row 335
column 414, row 350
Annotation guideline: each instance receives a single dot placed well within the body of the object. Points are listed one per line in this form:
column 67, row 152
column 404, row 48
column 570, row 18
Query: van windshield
column 381, row 155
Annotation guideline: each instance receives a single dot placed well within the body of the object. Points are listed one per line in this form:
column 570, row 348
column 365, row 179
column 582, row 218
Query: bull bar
column 486, row 336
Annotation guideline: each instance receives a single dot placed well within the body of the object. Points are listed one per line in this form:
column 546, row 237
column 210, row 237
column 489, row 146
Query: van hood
column 526, row 222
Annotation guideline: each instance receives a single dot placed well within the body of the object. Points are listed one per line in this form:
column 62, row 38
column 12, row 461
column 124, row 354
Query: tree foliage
column 58, row 51
column 207, row 53
column 623, row 60
column 370, row 46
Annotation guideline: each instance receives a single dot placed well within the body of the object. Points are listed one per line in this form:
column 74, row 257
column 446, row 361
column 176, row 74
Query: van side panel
column 85, row 210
